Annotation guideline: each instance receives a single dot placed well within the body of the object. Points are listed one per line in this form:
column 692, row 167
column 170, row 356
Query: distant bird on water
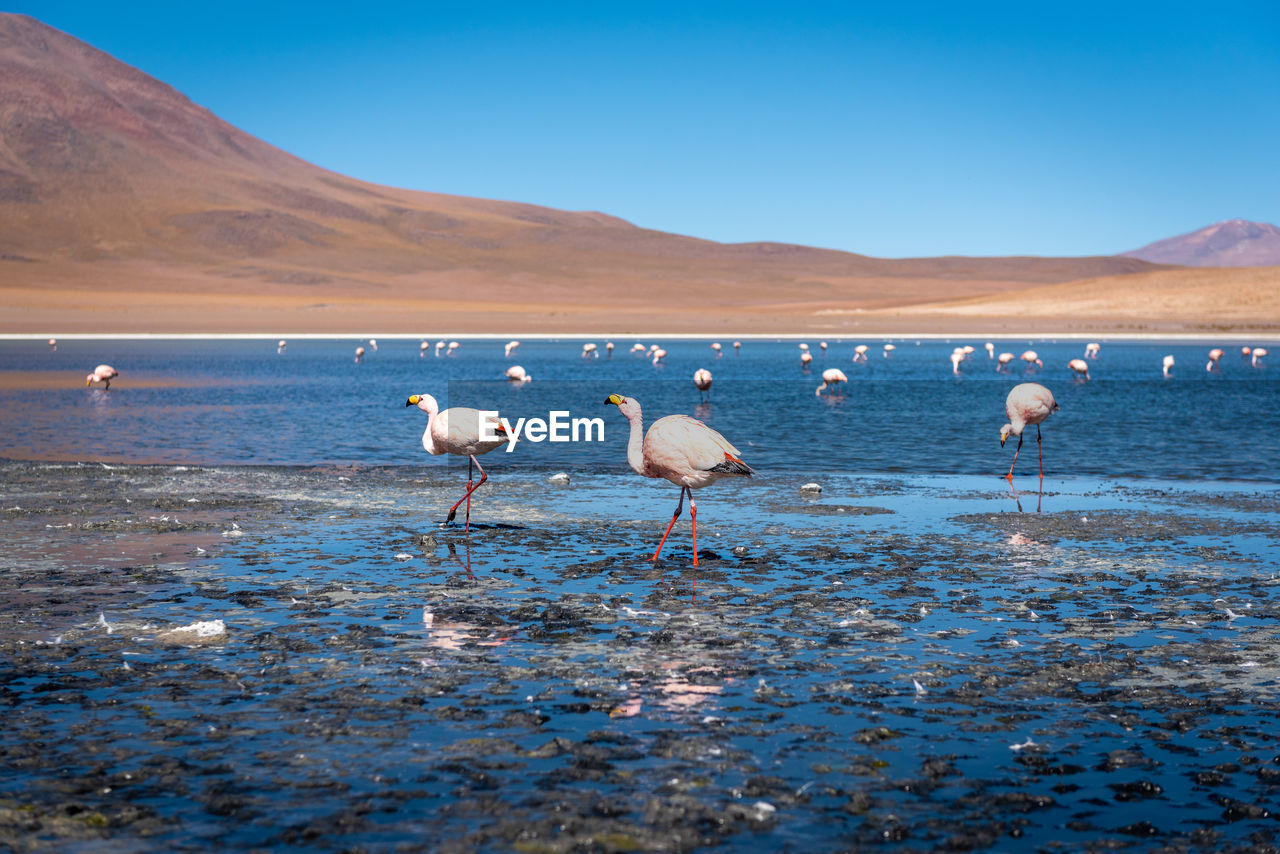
column 1245, row 351
column 53, row 343
column 453, row 345
column 716, row 347
column 889, row 348
column 1031, row 357
column 1167, row 363
column 957, row 356
column 804, row 347
column 1080, row 366
column 102, row 374
column 440, row 345
column 991, row 350
column 589, row 351
column 511, row 345
column 737, row 345
column 518, row 374
column 702, row 379
column 860, row 353
column 1027, row 404
column 822, row 345
column 373, row 342
column 658, row 355
column 1215, row 356
column 1258, row 353
column 1091, row 350
column 422, row 349
column 457, row 431
column 1004, row 360
column 682, row 450
column 608, row 349
column 805, row 358
column 831, row 378
column 280, row 345
column 359, row 353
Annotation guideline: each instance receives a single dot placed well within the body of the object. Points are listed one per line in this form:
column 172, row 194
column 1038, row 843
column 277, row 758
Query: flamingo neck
column 428, row 443
column 635, row 444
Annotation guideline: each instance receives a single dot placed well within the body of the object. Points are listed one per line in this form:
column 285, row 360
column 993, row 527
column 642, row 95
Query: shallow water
column 903, row 660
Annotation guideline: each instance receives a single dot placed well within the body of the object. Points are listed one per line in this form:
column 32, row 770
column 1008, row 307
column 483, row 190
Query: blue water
column 213, row 402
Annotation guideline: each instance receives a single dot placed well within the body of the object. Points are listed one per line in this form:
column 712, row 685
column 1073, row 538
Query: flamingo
column 1080, row 366
column 702, row 379
column 968, row 350
column 737, row 345
column 831, row 378
column 53, row 343
column 658, row 355
column 1167, row 363
column 453, row 345
column 1258, row 353
column 1027, row 404
column 991, row 350
column 1245, row 351
column 359, row 353
column 280, row 345
column 608, row 349
column 510, row 346
column 888, row 348
column 423, row 348
column 518, row 374
column 822, row 345
column 957, row 356
column 637, row 348
column 682, row 450
column 373, row 342
column 1214, row 356
column 860, row 353
column 457, row 431
column 1004, row 360
column 1031, row 357
column 716, row 347
column 102, row 374
column 1091, row 350
column 804, row 347
column 805, row 359
column 589, row 351
column 440, row 345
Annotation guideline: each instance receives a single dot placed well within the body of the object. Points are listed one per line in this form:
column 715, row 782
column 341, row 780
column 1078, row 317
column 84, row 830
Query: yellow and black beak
column 615, row 399
column 413, row 400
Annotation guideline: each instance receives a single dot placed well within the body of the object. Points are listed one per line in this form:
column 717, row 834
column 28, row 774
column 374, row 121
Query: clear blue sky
column 888, row 129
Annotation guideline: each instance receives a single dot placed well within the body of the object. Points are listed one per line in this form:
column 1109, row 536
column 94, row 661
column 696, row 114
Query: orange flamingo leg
column 674, row 517
column 693, row 517
column 1040, row 451
column 453, row 511
column 1017, row 450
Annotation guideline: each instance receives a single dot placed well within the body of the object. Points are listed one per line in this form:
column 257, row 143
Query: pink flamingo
column 53, row 343
column 511, row 345
column 608, row 349
column 831, row 378
column 991, row 350
column 589, row 351
column 957, row 356
column 280, row 345
column 1080, row 366
column 1004, row 361
column 737, row 345
column 1031, row 357
column 682, row 450
column 373, row 342
column 102, row 374
column 422, row 349
column 716, row 347
column 658, row 355
column 359, row 353
column 457, row 431
column 1258, row 353
column 1245, row 351
column 1027, row 404
column 805, row 358
column 518, row 374
column 702, row 379
column 1167, row 364
column 1215, row 355
column 822, row 345
column 860, row 353
column 1091, row 350
column 440, row 345
column 888, row 349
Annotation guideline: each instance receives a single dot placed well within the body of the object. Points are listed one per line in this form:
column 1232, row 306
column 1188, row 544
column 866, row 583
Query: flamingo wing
column 679, row 442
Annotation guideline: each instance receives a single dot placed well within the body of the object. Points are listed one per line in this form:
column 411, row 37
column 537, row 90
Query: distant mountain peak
column 1230, row 243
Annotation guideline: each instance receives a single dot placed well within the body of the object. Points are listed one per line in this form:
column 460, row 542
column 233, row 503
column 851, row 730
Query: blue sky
column 887, row 129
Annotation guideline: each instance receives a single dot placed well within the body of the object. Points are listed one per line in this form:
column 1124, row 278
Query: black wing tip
column 733, row 467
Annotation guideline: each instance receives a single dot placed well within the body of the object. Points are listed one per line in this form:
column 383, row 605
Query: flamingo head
column 1004, row 433
column 628, row 406
column 425, row 402
column 88, row 381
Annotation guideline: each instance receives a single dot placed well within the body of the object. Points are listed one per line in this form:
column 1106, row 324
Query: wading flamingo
column 716, row 347
column 991, row 350
column 1080, row 366
column 102, row 374
column 1245, row 351
column 423, row 348
column 658, row 355
column 589, row 351
column 737, row 345
column 1215, row 355
column 702, row 379
column 359, row 353
column 860, row 353
column 1027, row 404
column 831, row 378
column 53, row 343
column 1091, row 350
column 457, row 431
column 373, row 342
column 518, row 374
column 440, row 345
column 453, row 346
column 804, row 347
column 1004, row 361
column 1031, row 357
column 608, row 349
column 1258, row 353
column 1167, row 363
column 822, row 345
column 682, row 450
column 888, row 349
column 805, row 359
column 280, row 345
column 507, row 350
column 957, row 356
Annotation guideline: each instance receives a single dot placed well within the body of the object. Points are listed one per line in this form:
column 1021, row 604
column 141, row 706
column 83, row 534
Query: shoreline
column 1188, row 337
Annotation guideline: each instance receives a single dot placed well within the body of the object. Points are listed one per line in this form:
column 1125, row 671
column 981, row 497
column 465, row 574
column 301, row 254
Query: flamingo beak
column 413, row 400
column 615, row 399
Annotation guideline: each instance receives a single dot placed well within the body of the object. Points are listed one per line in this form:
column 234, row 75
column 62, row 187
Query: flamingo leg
column 1040, row 453
column 674, row 517
column 1018, row 450
column 453, row 511
column 693, row 517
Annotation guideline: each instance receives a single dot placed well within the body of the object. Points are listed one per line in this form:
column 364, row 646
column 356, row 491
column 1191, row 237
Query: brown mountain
column 124, row 206
column 1233, row 243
